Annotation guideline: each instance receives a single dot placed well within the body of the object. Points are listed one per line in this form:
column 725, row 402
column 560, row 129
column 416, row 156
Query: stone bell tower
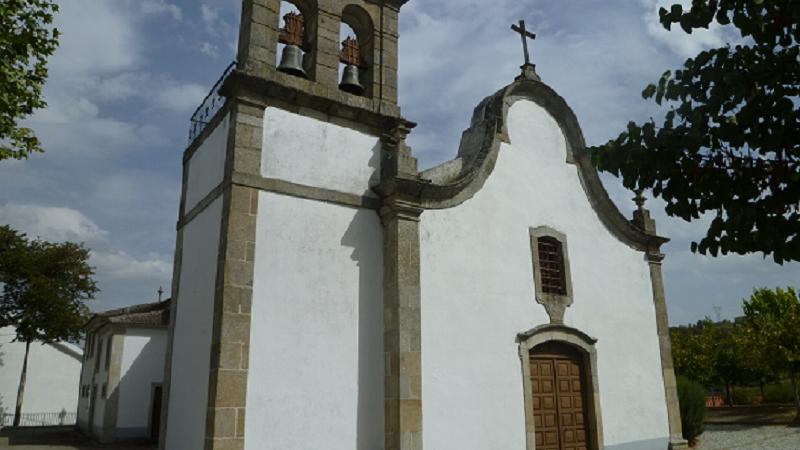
column 292, row 326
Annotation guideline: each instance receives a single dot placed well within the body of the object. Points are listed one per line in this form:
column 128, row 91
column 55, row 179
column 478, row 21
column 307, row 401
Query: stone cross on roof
column 525, row 35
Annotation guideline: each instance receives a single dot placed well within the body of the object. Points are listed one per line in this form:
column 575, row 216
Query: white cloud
column 119, row 265
column 161, row 7
column 181, row 98
column 683, row 44
column 209, row 49
column 52, row 223
column 209, row 14
column 116, row 271
column 97, row 37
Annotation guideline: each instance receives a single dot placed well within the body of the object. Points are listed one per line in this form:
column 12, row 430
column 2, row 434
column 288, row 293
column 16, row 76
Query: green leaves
column 44, row 287
column 27, row 39
column 772, row 319
column 729, row 144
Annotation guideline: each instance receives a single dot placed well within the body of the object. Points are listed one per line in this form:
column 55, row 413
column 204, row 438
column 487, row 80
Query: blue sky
column 129, row 73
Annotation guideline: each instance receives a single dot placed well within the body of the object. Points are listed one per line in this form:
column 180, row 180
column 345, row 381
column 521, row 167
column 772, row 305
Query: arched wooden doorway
column 559, row 397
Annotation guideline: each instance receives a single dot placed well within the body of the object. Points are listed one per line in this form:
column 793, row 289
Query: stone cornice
column 301, row 93
column 396, row 4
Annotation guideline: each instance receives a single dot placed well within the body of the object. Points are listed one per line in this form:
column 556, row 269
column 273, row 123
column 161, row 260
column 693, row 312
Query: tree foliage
column 729, row 144
column 772, row 323
column 27, row 39
column 45, row 286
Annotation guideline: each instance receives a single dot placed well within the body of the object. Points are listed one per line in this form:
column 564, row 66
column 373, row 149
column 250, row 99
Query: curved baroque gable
column 458, row 180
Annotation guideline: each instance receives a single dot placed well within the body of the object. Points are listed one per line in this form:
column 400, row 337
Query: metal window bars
column 551, row 266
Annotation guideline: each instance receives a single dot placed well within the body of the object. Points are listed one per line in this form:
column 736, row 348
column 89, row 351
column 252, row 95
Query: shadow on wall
column 139, row 378
column 375, row 163
column 364, row 236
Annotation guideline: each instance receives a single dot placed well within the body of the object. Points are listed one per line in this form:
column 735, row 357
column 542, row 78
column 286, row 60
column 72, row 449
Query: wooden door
column 559, row 398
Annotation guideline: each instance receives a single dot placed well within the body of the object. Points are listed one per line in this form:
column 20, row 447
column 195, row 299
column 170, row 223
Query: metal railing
column 210, row 105
column 50, row 419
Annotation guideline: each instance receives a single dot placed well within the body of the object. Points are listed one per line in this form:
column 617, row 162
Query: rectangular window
column 108, row 352
column 551, row 266
column 105, row 390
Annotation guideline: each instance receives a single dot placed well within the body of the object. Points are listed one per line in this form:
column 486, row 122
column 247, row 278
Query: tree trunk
column 21, row 390
column 728, row 394
column 796, row 395
column 763, row 396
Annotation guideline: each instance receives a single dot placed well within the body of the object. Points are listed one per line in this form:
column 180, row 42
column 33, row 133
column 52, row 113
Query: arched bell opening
column 296, row 53
column 356, row 58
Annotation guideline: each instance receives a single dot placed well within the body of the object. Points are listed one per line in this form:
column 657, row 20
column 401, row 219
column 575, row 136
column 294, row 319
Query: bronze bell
column 292, row 61
column 351, row 81
column 351, row 57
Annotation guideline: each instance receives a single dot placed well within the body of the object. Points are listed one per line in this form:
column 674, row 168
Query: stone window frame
column 555, row 304
column 583, row 343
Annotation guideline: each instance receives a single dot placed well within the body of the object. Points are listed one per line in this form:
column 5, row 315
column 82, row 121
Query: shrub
column 692, row 400
column 778, row 393
column 743, row 396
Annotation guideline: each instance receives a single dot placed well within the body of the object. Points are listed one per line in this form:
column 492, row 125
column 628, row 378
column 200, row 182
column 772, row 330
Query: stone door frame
column 586, row 345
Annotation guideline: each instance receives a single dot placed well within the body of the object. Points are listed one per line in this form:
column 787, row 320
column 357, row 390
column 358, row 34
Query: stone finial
column 641, row 217
column 294, row 31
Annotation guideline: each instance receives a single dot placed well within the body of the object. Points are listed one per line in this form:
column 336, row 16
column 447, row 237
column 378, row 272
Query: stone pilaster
column 401, row 300
column 230, row 344
column 676, row 441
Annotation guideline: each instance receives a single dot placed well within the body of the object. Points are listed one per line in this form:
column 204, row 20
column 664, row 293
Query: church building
column 329, row 294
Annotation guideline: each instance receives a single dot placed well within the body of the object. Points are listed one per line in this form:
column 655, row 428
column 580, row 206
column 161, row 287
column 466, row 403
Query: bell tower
column 313, row 49
column 291, row 325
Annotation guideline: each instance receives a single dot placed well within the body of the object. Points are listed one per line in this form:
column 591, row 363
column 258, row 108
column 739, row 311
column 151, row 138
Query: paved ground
column 55, row 438
column 750, row 437
column 752, row 415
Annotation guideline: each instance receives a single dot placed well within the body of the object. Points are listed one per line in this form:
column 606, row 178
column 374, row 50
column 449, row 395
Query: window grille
column 551, row 266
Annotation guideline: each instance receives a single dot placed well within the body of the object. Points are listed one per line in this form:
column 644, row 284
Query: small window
column 551, row 275
column 551, row 266
column 105, row 390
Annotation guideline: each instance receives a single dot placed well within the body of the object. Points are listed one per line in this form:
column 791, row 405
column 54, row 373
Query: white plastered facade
column 316, row 361
column 478, row 290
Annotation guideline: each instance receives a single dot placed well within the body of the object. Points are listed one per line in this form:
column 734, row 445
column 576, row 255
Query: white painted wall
column 312, row 152
column 205, row 169
column 142, row 365
column 478, row 293
column 316, row 359
column 193, row 327
column 52, row 379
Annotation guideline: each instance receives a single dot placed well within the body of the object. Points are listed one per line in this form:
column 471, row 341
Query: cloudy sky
column 129, row 73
